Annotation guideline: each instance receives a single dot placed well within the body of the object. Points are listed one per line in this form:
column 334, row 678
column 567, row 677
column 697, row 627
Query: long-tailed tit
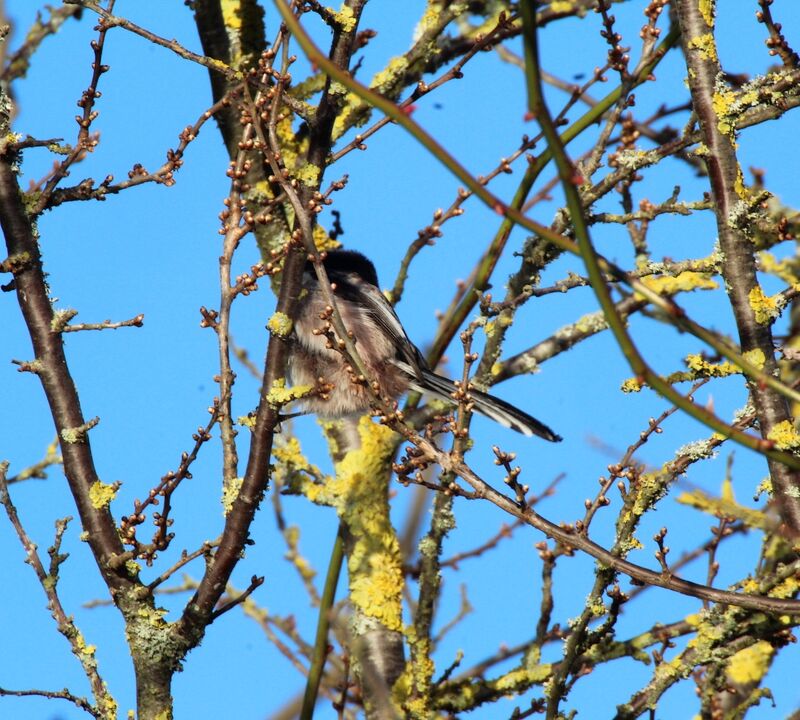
column 392, row 360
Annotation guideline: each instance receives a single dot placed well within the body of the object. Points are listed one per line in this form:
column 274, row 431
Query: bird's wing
column 381, row 311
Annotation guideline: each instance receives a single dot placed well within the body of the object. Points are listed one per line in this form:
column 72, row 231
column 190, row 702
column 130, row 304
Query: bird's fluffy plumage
column 381, row 342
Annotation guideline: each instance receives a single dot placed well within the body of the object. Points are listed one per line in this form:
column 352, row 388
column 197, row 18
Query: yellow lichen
column 596, row 607
column 631, row 385
column 694, row 620
column 231, row 13
column 352, row 105
column 303, row 567
column 359, row 495
column 308, row 175
column 705, row 45
column 751, row 586
column 523, row 678
column 229, row 494
column 750, row 664
column 280, row 395
column 291, row 149
column 280, row 324
column 683, row 282
column 721, row 101
column 764, row 307
column 707, row 8
column 703, row 368
column 429, row 20
column 388, row 76
column 632, row 543
column 672, row 669
column 755, row 357
column 784, row 435
column 765, row 486
column 73, row 435
column 323, row 241
column 262, row 190
column 248, row 421
column 291, row 454
column 785, row 269
column 786, row 589
column 108, row 706
column 220, row 66
column 708, row 633
column 346, row 18
column 292, row 535
column 589, row 324
column 375, row 583
column 651, row 487
column 415, row 707
column 416, row 677
column 561, row 6
column 309, row 87
column 739, row 186
column 82, row 648
column 101, row 494
column 727, row 493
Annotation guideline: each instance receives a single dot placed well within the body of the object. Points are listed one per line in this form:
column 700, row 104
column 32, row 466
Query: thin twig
column 80, row 702
column 255, row 582
column 137, row 321
column 49, row 582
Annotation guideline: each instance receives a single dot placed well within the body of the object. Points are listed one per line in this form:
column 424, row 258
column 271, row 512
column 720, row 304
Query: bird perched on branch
column 393, row 361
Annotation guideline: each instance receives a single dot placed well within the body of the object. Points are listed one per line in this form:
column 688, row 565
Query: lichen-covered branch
column 736, row 210
column 50, row 366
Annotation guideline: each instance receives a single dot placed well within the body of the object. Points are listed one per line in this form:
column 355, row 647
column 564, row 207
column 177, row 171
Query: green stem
column 323, row 624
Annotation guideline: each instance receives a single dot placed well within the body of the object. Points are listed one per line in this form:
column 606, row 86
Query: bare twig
column 255, row 582
column 165, row 175
column 49, row 582
column 137, row 321
column 17, row 64
column 80, row 702
column 38, row 469
column 162, row 493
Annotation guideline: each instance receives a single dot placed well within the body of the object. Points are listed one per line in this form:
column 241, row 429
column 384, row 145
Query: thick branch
column 733, row 206
column 221, row 42
column 50, row 365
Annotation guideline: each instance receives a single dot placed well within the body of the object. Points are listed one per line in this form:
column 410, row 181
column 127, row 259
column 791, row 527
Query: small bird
column 393, row 361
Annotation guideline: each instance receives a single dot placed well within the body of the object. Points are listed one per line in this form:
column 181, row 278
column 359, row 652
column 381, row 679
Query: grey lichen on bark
column 732, row 200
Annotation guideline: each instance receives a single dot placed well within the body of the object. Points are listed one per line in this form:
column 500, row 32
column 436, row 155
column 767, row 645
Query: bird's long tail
column 494, row 408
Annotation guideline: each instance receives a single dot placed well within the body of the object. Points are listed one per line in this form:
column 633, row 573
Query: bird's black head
column 340, row 263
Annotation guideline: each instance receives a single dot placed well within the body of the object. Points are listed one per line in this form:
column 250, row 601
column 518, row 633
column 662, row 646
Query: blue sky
column 154, row 250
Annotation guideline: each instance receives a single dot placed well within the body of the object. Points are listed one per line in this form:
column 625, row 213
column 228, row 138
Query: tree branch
column 735, row 207
column 53, row 371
